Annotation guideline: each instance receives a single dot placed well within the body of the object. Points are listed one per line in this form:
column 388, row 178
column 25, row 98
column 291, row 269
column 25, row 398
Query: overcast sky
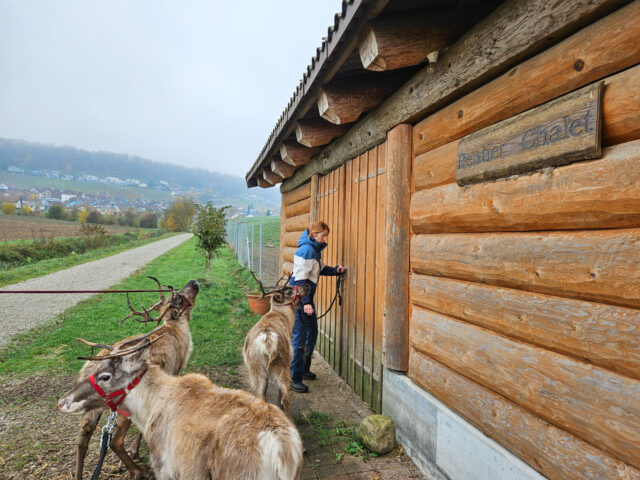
column 192, row 82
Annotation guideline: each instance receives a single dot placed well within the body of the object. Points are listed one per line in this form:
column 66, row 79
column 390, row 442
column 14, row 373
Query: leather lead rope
column 338, row 296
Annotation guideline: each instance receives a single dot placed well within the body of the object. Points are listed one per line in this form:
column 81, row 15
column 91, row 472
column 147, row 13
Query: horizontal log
column 539, row 79
column 555, row 453
column 262, row 183
column 287, row 268
column 406, row 39
column 303, row 206
column 317, row 132
column 586, row 195
column 344, row 102
column 296, row 195
column 271, row 177
column 621, row 123
column 290, row 239
column 288, row 253
column 526, row 27
column 597, row 265
column 435, row 167
column 295, row 154
column 606, row 335
column 281, row 168
column 599, row 406
column 297, row 224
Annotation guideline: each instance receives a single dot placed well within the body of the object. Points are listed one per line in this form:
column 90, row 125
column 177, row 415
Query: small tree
column 94, row 216
column 8, row 208
column 148, row 220
column 210, row 231
column 82, row 215
column 56, row 211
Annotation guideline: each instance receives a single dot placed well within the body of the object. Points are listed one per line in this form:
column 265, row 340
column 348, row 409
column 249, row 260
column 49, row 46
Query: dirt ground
column 37, row 442
column 28, row 228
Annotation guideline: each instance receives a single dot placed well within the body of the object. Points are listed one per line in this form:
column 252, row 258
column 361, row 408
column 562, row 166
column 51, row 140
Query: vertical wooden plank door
column 350, row 201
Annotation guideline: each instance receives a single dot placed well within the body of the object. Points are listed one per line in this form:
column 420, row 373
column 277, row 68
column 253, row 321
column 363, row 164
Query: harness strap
column 122, row 393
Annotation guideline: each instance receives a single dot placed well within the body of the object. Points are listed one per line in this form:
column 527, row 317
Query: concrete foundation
column 440, row 442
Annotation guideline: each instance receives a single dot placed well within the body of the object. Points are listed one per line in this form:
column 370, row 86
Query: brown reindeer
column 267, row 348
column 171, row 353
column 195, row 429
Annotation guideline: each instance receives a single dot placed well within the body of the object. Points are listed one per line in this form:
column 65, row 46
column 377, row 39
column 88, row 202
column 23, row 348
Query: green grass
column 270, row 229
column 43, row 267
column 219, row 322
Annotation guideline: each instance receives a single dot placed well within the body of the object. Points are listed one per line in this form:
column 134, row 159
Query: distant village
column 39, row 198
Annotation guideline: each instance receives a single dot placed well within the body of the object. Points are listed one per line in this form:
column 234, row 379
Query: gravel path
column 19, row 313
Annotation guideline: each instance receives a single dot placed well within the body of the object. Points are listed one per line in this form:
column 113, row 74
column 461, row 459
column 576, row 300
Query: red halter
column 122, row 393
column 187, row 303
column 294, row 298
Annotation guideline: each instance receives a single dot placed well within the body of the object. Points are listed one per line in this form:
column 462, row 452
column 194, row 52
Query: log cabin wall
column 295, row 215
column 525, row 291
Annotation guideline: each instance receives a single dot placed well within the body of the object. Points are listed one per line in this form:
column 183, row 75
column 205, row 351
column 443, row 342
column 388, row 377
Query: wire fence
column 256, row 242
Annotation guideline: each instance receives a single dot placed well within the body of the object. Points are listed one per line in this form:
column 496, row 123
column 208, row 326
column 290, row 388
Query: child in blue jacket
column 307, row 268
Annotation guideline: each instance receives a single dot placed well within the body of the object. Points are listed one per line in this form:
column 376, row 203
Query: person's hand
column 341, row 269
column 308, row 309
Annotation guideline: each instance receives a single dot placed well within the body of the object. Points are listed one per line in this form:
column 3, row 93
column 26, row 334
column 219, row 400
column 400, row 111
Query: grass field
column 22, row 227
column 220, row 319
column 43, row 267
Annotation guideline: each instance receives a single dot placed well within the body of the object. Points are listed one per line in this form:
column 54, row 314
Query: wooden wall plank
column 340, row 257
column 599, row 406
column 298, row 194
column 283, row 219
column 297, row 224
column 362, row 278
column 600, row 194
column 380, row 275
column 303, row 206
column 313, row 197
column 353, row 267
column 555, row 453
column 347, row 291
column 396, row 239
column 320, row 290
column 372, row 171
column 598, row 265
column 288, row 253
column 621, row 123
column 603, row 48
column 606, row 335
column 290, row 239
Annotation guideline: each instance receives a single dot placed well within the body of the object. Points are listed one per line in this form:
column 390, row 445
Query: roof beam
column 316, row 132
column 344, row 102
column 406, row 40
column 262, row 183
column 281, row 168
column 295, row 154
column 271, row 177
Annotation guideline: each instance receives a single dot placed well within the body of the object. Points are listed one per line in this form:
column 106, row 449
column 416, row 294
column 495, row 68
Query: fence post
column 252, row 236
column 260, row 251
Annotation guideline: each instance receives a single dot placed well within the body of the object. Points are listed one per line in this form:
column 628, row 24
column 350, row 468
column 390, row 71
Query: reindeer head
column 177, row 305
column 284, row 294
column 110, row 371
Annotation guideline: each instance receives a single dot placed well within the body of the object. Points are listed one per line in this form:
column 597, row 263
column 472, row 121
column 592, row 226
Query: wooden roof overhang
column 372, row 72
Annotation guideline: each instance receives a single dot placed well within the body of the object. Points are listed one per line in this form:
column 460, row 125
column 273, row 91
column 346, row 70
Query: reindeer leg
column 135, row 446
column 283, row 376
column 117, row 445
column 88, row 425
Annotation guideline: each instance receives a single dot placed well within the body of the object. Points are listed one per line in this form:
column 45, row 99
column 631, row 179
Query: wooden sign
column 559, row 132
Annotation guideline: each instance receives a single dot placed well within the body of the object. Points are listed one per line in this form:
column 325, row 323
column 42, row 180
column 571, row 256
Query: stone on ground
column 378, row 433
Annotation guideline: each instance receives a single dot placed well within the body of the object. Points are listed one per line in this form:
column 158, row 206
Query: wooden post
column 314, row 198
column 395, row 334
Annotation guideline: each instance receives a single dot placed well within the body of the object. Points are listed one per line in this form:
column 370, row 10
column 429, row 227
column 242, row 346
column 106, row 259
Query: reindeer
column 171, row 353
column 267, row 348
column 195, row 429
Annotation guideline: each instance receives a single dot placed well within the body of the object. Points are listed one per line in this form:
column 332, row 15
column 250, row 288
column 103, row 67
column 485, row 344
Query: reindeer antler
column 145, row 312
column 142, row 346
column 264, row 293
column 140, row 338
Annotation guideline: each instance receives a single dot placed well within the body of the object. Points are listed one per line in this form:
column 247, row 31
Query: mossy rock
column 378, row 433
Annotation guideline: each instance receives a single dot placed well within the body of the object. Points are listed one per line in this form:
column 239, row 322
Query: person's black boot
column 299, row 387
column 308, row 376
